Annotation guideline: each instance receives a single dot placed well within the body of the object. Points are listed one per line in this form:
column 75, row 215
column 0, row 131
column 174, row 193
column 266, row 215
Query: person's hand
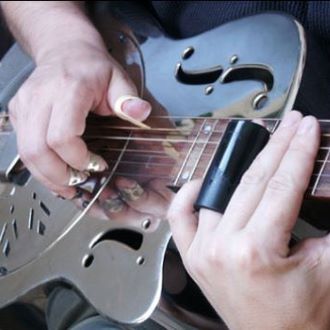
column 49, row 111
column 242, row 260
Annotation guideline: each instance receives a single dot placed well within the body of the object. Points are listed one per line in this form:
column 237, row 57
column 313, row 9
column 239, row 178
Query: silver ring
column 76, row 177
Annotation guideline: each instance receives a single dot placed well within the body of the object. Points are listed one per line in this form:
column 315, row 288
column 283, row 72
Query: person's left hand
column 242, row 260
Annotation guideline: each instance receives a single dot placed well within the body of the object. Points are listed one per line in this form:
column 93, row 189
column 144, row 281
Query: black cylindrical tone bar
column 240, row 144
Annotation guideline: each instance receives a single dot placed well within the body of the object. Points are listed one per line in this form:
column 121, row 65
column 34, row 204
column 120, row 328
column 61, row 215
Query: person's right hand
column 50, row 109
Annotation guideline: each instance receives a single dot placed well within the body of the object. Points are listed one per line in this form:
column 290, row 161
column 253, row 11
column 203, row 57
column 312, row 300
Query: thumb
column 123, row 98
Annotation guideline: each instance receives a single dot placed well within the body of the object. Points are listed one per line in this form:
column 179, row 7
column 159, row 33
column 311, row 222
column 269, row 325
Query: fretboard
column 179, row 150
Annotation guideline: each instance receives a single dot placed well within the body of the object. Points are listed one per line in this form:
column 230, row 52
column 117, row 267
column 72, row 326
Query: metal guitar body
column 247, row 68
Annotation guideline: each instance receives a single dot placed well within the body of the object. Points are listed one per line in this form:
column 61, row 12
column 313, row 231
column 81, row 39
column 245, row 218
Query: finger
column 31, row 140
column 66, row 126
column 160, row 186
column 311, row 254
column 123, row 98
column 208, row 221
column 278, row 209
column 117, row 210
column 141, row 199
column 63, row 191
column 182, row 218
column 24, row 139
column 253, row 183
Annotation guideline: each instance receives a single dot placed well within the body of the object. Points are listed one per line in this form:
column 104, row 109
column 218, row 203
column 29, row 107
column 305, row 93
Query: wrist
column 61, row 46
column 42, row 27
column 64, row 36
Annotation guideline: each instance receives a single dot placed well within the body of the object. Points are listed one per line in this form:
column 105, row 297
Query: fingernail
column 290, row 119
column 132, row 109
column 136, row 108
column 96, row 163
column 306, row 125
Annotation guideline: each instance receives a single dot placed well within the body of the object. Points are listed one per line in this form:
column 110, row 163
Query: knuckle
column 82, row 88
column 57, row 140
column 282, row 182
column 67, row 78
column 32, row 152
column 77, row 85
column 201, row 263
column 248, row 257
column 101, row 66
column 74, row 84
column 302, row 150
column 214, row 257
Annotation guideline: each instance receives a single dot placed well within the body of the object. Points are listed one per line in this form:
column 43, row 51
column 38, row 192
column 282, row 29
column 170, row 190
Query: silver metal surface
column 44, row 238
column 8, row 148
column 274, row 43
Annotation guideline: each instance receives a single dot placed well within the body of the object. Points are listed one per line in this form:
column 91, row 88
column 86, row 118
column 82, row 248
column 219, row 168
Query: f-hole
column 249, row 72
column 197, row 77
column 127, row 237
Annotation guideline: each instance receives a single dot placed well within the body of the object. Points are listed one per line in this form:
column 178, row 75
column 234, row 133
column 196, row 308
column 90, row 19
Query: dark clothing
column 186, row 18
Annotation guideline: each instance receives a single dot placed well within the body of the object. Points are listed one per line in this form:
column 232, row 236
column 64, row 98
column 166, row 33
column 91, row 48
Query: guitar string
column 321, row 121
column 183, row 141
column 205, row 142
column 167, row 139
column 320, row 173
column 200, row 167
column 166, row 130
column 91, row 139
column 163, row 156
column 169, row 179
column 185, row 118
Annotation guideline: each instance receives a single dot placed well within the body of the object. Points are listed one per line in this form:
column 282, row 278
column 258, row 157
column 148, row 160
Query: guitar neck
column 181, row 150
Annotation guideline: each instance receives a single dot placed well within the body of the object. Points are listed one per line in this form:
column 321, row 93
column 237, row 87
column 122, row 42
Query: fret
column 213, row 154
column 209, row 132
column 183, row 152
column 180, row 173
column 320, row 173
